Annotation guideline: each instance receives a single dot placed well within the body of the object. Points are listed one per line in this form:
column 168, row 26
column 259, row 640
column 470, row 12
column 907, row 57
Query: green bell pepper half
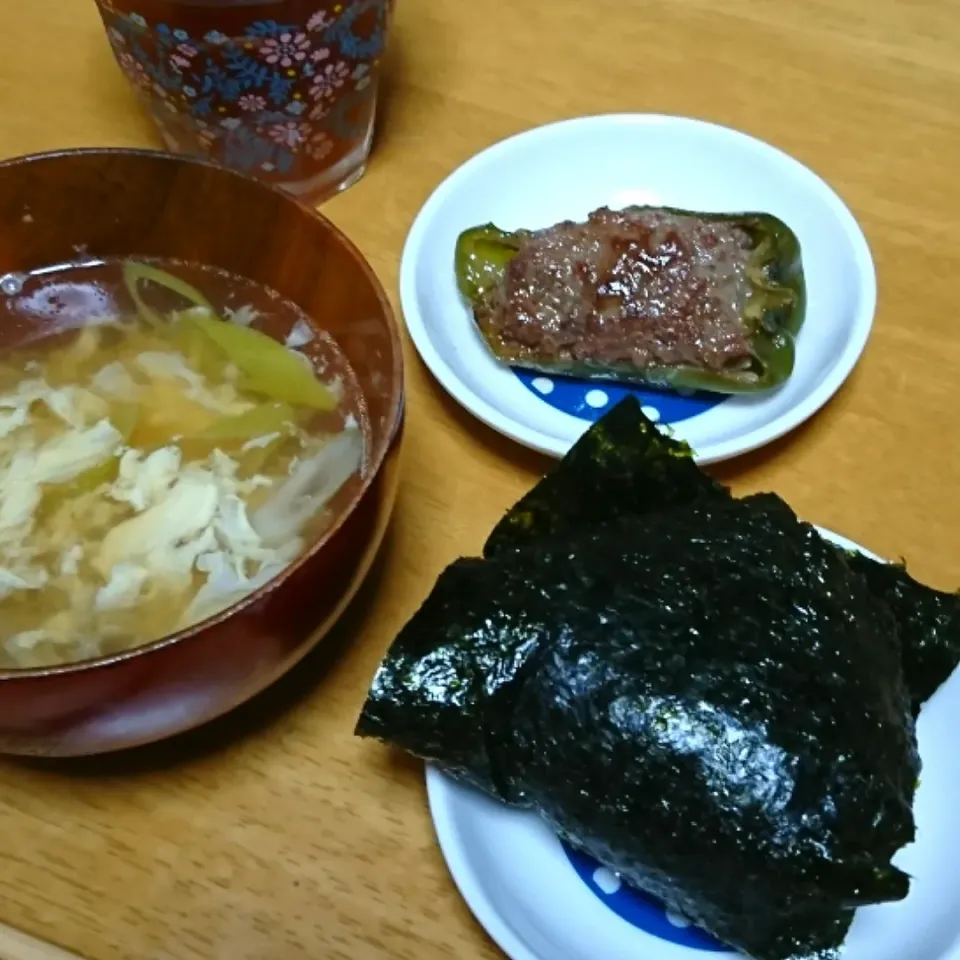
column 774, row 313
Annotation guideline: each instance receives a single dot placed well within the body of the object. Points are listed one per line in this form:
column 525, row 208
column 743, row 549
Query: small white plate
column 564, row 171
column 539, row 900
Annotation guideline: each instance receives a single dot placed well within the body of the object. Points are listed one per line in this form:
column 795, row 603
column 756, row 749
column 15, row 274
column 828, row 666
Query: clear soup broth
column 160, row 456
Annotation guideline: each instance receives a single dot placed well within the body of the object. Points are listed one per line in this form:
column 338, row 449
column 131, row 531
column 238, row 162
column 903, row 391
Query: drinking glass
column 283, row 90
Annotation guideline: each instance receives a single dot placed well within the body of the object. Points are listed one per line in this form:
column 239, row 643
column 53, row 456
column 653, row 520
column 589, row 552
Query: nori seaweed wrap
column 622, row 466
column 700, row 692
column 625, row 466
column 928, row 622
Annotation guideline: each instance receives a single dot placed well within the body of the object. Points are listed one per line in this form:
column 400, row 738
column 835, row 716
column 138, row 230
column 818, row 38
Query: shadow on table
column 730, row 472
column 516, row 454
column 391, row 81
column 249, row 718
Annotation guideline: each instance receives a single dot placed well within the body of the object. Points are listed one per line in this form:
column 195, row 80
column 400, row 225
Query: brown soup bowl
column 117, row 203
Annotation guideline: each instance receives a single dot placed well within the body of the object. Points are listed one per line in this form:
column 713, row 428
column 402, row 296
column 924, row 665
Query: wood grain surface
column 276, row 835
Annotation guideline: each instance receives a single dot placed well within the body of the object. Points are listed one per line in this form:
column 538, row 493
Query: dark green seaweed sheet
column 733, row 736
column 606, row 666
column 624, row 466
column 928, row 622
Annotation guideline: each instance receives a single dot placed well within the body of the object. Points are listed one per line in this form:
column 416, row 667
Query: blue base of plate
column 589, row 399
column 639, row 909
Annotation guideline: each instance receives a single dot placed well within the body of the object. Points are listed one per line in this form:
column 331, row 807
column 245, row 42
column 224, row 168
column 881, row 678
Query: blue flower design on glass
column 244, row 149
column 270, row 28
column 638, row 909
column 591, row 399
column 280, row 88
column 287, row 85
column 247, row 72
column 352, row 45
column 341, row 118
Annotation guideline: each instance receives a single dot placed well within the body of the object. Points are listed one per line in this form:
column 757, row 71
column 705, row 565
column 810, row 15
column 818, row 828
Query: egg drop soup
column 161, row 457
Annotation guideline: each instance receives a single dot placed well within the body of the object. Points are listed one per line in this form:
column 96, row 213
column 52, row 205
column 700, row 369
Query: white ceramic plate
column 565, row 170
column 540, row 901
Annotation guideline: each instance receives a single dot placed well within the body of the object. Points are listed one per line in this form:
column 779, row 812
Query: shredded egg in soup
column 158, row 466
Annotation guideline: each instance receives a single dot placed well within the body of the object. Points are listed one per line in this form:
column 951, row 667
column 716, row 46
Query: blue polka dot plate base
column 564, row 171
column 540, row 900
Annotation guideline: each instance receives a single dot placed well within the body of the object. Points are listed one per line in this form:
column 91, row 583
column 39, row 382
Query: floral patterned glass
column 283, row 90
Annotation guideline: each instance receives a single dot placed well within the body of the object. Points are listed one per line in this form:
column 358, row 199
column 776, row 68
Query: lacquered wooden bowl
column 109, row 203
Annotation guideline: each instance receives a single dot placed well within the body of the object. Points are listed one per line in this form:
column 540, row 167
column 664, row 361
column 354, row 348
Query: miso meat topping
column 644, row 287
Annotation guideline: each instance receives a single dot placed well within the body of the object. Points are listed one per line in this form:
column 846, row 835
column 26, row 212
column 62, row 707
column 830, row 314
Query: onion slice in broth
column 313, row 483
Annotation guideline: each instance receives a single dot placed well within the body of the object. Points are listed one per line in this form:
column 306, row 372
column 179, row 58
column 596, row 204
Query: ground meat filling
column 639, row 286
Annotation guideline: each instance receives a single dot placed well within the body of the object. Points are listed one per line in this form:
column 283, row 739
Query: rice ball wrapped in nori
column 700, row 692
column 708, row 701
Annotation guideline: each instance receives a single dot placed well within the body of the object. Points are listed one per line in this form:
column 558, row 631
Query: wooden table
column 278, row 836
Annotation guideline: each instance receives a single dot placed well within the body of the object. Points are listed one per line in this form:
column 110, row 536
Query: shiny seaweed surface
column 698, row 691
column 928, row 622
column 622, row 466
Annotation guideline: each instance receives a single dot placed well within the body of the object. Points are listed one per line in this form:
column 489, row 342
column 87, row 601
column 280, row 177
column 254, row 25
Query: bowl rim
column 374, row 464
